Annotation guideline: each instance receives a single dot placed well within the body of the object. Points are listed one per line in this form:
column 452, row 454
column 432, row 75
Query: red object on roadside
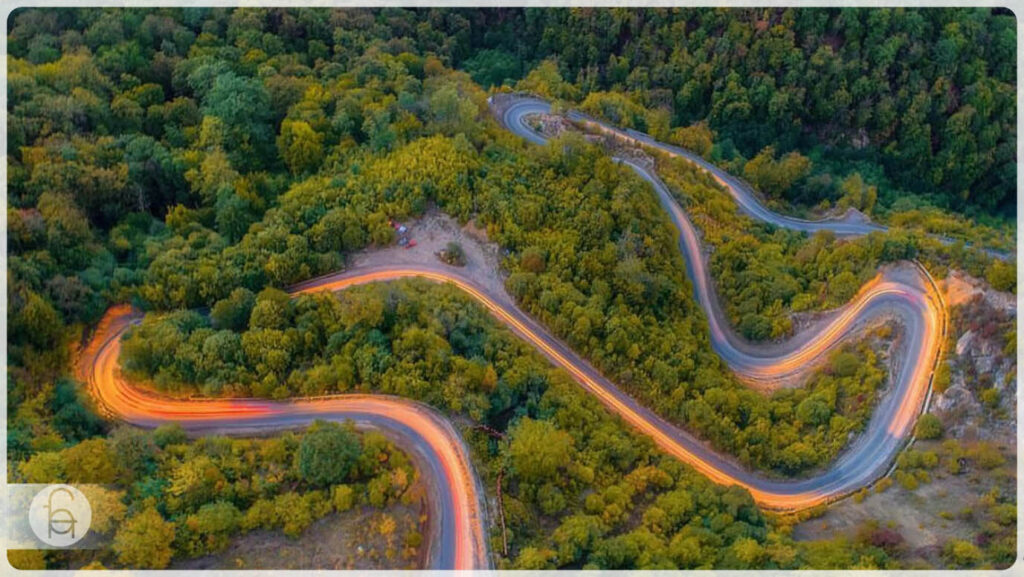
column 412, row 243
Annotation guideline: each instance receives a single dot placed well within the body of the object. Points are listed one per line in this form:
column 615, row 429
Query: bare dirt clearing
column 365, row 538
column 926, row 517
column 432, row 233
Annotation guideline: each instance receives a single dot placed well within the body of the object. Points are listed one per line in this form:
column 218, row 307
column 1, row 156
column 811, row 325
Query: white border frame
column 9, row 7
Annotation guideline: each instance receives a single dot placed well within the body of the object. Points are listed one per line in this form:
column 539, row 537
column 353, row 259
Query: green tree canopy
column 327, row 453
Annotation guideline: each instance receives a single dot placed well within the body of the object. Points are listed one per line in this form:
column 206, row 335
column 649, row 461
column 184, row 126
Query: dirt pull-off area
column 432, row 233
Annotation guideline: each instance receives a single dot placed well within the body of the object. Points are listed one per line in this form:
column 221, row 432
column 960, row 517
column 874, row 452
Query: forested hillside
column 162, row 192
column 159, row 496
column 924, row 98
column 207, row 158
column 927, row 95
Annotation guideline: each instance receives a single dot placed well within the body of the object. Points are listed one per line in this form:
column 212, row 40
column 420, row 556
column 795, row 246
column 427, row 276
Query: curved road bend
column 910, row 297
column 457, row 538
column 514, row 118
column 746, row 198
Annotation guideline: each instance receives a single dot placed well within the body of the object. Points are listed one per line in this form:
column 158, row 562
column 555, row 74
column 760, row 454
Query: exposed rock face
column 981, row 399
column 961, row 408
column 550, row 125
column 960, row 287
column 963, row 343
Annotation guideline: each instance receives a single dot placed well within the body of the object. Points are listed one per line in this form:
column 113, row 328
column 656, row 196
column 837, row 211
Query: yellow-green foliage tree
column 144, row 540
column 776, row 176
column 300, row 146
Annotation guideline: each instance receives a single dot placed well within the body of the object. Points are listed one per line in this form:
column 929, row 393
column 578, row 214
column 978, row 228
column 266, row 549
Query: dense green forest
column 924, row 98
column 182, row 158
column 592, row 253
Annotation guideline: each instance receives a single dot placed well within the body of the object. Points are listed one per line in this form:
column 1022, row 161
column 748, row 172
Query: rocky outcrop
column 981, row 400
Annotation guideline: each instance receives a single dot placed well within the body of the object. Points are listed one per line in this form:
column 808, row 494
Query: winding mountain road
column 852, row 223
column 458, row 532
column 906, row 294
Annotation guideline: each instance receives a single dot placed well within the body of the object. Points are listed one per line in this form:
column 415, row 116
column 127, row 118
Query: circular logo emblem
column 60, row 515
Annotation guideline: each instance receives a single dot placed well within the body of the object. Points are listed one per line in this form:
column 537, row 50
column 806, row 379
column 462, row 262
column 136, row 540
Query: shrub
column 343, row 498
column 928, row 427
column 327, row 453
column 961, row 553
column 987, row 456
column 453, row 254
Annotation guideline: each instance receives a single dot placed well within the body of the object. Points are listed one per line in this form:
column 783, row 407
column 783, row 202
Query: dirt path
column 432, row 232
